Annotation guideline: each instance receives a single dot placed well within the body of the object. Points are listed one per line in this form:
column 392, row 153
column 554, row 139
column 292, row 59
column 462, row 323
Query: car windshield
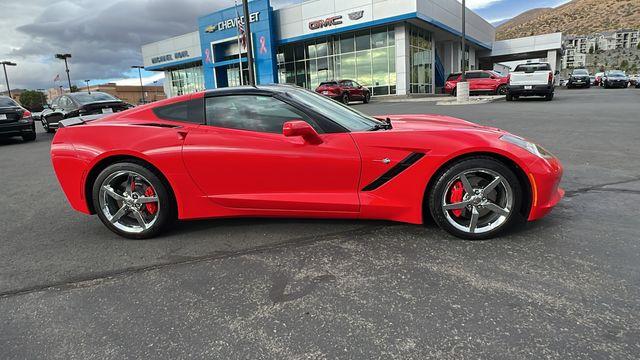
column 533, row 67
column 7, row 102
column 616, row 73
column 580, row 72
column 349, row 118
column 86, row 98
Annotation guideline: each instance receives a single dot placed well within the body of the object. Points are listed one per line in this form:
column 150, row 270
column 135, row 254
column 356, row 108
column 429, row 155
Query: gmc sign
column 323, row 23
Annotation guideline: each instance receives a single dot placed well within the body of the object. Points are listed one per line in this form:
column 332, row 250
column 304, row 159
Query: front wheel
column 367, row 97
column 132, row 201
column 345, row 99
column 476, row 198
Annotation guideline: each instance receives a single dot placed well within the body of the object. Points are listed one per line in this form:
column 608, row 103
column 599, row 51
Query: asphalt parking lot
column 565, row 287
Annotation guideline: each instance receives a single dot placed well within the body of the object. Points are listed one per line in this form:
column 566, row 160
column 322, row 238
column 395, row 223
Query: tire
column 30, row 136
column 454, row 92
column 345, row 99
column 508, row 186
column 130, row 225
column 367, row 97
column 548, row 97
column 502, row 90
column 45, row 125
column 509, row 97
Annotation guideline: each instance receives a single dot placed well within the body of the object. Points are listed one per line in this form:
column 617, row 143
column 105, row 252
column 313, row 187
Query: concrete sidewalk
column 439, row 99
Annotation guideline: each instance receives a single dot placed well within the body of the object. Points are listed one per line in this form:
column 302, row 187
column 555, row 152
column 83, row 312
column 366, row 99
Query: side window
column 188, row 111
column 252, row 112
column 471, row 75
column 484, row 75
column 346, row 83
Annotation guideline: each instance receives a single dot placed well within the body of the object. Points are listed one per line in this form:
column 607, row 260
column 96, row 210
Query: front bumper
column 579, row 82
column 535, row 90
column 16, row 128
column 621, row 84
column 544, row 177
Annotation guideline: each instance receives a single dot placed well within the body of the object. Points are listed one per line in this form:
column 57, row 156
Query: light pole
column 4, row 66
column 140, row 76
column 155, row 90
column 462, row 88
column 66, row 66
column 88, row 89
column 249, row 42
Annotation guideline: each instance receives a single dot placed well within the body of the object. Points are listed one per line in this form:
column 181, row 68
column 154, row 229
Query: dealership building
column 394, row 47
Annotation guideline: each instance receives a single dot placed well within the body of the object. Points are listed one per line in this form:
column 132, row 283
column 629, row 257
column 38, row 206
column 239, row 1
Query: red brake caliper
column 152, row 208
column 457, row 193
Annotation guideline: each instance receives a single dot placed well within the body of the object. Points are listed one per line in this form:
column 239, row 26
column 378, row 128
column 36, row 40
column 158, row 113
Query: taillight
column 550, row 77
column 26, row 114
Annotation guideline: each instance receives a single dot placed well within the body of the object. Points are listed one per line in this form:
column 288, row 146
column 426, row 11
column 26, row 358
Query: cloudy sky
column 104, row 36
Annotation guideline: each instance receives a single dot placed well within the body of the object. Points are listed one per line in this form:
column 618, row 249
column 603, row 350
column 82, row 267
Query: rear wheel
column 502, row 90
column 549, row 97
column 476, row 198
column 345, row 99
column 454, row 92
column 132, row 201
column 509, row 97
column 31, row 136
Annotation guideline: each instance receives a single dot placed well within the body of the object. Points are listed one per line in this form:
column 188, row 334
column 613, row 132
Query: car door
column 485, row 82
column 473, row 79
column 241, row 159
column 358, row 90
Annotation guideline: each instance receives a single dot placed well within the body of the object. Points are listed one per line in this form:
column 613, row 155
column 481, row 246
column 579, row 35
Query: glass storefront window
column 186, row 80
column 420, row 58
column 366, row 56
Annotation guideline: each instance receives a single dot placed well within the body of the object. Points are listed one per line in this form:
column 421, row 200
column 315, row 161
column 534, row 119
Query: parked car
column 344, row 91
column 16, row 120
column 532, row 79
column 615, row 78
column 579, row 78
column 79, row 103
column 599, row 76
column 638, row 84
column 480, row 81
column 592, row 80
column 283, row 151
column 633, row 80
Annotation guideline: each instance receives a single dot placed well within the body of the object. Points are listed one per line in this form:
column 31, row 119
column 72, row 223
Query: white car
column 532, row 79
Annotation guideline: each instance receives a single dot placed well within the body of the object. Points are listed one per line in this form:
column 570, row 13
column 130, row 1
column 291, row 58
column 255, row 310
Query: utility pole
column 4, row 66
column 88, row 89
column 140, row 76
column 66, row 66
column 463, row 65
column 249, row 42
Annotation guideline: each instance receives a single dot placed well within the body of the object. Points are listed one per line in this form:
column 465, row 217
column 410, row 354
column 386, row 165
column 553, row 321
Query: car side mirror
column 303, row 129
column 359, row 86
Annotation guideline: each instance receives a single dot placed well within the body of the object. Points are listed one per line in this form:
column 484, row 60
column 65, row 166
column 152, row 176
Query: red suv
column 480, row 81
column 344, row 91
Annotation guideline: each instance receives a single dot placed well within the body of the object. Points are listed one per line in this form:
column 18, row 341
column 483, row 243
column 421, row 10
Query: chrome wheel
column 129, row 201
column 477, row 201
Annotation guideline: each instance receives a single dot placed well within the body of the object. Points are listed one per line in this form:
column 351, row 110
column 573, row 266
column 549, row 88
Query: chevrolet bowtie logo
column 211, row 28
column 356, row 15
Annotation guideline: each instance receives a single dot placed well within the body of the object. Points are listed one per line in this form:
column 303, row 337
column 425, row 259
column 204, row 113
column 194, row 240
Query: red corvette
column 281, row 151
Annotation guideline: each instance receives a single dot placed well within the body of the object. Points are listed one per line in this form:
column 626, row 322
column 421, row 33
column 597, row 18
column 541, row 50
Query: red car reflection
column 480, row 81
column 344, row 91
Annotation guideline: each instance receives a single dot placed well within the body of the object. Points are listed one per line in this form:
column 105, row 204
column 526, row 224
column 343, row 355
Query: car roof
column 255, row 90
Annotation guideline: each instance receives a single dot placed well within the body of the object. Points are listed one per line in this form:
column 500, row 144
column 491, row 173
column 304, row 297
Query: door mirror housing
column 303, row 129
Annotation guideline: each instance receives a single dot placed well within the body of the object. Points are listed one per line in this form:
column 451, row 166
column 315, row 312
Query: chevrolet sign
column 231, row 23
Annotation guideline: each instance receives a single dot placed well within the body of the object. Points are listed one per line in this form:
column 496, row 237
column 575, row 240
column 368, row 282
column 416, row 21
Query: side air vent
column 394, row 171
column 159, row 125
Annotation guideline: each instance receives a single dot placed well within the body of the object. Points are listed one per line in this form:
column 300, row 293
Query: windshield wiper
column 386, row 125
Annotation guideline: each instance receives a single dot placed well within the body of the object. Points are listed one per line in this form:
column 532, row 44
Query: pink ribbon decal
column 263, row 45
column 207, row 54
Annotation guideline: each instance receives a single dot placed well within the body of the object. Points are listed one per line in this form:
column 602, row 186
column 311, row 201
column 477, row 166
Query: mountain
column 577, row 17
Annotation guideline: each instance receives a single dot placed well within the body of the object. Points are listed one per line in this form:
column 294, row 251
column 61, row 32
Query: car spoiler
column 79, row 120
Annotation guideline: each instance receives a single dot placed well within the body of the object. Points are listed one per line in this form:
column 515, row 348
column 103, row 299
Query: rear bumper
column 536, row 90
column 16, row 129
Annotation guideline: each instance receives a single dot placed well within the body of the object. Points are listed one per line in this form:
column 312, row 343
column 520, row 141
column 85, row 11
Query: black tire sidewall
column 445, row 175
column 345, row 99
column 167, row 211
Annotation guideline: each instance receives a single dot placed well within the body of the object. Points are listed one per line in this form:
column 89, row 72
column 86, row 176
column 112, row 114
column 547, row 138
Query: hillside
column 578, row 17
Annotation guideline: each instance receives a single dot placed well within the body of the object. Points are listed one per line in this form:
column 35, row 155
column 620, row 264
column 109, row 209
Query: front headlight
column 535, row 149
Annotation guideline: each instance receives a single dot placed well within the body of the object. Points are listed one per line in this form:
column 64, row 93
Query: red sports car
column 282, row 151
column 344, row 91
column 480, row 81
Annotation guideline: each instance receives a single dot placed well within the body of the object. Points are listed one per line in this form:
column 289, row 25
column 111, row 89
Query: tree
column 624, row 65
column 74, row 88
column 33, row 100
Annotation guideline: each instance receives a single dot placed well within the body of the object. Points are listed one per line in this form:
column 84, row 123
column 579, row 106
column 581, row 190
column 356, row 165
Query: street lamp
column 464, row 63
column 66, row 66
column 4, row 66
column 140, row 76
column 462, row 89
column 88, row 89
column 155, row 90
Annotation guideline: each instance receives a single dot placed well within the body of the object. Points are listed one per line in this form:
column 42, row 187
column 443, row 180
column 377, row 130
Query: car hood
column 432, row 122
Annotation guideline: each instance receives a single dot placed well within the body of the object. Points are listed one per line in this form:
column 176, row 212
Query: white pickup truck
column 532, row 79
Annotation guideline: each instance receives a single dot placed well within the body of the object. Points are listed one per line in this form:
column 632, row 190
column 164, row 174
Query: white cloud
column 479, row 4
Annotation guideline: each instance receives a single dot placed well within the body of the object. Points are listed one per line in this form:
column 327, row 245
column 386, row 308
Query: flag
column 240, row 26
column 57, row 78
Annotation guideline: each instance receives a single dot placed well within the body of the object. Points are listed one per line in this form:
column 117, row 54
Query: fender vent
column 394, row 171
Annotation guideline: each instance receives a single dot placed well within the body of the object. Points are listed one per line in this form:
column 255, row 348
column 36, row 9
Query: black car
column 579, row 78
column 615, row 78
column 16, row 120
column 77, row 104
